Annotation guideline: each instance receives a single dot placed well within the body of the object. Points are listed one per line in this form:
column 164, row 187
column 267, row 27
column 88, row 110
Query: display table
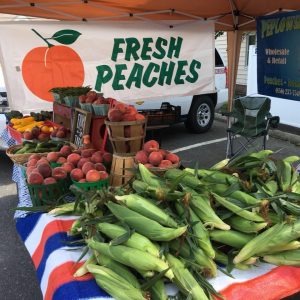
column 46, row 240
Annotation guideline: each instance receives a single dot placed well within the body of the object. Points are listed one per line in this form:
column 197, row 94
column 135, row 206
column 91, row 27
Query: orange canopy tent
column 234, row 16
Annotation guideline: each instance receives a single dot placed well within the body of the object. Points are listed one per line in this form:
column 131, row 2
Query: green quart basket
column 87, row 186
column 101, row 109
column 54, row 164
column 72, row 101
column 42, row 195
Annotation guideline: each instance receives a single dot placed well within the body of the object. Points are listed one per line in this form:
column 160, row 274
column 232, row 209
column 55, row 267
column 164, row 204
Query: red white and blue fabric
column 45, row 238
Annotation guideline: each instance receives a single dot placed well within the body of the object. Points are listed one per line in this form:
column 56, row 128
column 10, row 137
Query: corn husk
column 287, row 258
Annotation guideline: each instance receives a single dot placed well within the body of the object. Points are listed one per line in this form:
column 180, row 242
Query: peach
column 53, row 156
column 89, row 100
column 53, row 133
column 43, row 160
column 100, row 167
column 77, row 174
column 43, row 137
column 103, row 175
column 121, row 107
column 60, row 134
column 163, row 152
column 34, row 156
column 27, row 135
column 82, row 98
column 139, row 117
column 59, row 173
column 128, row 117
column 149, row 166
column 165, row 164
column 155, row 158
column 82, row 161
column 61, row 160
column 97, row 157
column 87, row 167
column 31, row 169
column 87, row 152
column 141, row 157
column 68, row 167
column 173, row 158
column 82, row 180
column 107, row 158
column 44, row 170
column 32, row 162
column 93, row 176
column 49, row 180
column 65, row 150
column 73, row 158
column 92, row 94
column 35, row 131
column 151, row 145
column 35, row 178
column 115, row 115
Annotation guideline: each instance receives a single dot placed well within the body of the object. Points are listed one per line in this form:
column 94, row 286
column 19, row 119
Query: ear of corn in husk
column 245, row 198
column 277, row 236
column 204, row 211
column 62, row 209
column 114, row 284
column 185, row 280
column 215, row 176
column 149, row 177
column 131, row 257
column 83, row 269
column 160, row 194
column 136, row 240
column 154, row 231
column 252, row 216
column 244, row 225
column 206, row 264
column 158, row 291
column 231, row 238
column 220, row 165
column 76, row 228
column 187, row 178
column 286, row 258
column 223, row 259
column 120, row 269
column 199, row 231
column 142, row 206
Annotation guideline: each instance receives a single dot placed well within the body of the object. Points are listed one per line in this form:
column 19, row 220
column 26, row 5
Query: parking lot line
column 198, row 145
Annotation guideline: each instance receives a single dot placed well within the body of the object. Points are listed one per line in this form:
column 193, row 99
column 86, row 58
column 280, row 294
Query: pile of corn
column 182, row 227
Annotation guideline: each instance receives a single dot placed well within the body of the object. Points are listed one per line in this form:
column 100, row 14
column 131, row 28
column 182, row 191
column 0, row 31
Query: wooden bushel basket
column 121, row 170
column 126, row 137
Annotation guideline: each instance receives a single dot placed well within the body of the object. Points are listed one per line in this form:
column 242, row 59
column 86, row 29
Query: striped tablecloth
column 45, row 238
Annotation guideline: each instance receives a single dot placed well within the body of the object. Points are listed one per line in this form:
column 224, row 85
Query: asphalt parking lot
column 17, row 276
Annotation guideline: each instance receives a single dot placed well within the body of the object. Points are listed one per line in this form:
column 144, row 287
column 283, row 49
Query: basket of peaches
column 155, row 159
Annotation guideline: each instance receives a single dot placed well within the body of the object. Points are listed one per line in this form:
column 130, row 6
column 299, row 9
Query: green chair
column 251, row 120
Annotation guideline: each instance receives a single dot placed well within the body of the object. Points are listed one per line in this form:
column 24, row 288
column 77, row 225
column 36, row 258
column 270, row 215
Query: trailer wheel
column 201, row 115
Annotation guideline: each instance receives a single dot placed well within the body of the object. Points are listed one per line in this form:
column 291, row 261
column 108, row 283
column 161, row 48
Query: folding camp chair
column 251, row 120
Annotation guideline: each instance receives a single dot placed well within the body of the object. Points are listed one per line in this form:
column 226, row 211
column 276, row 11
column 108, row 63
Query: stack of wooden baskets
column 127, row 138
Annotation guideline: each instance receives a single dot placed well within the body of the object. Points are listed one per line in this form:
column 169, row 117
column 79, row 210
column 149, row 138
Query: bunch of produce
column 151, row 156
column 60, row 132
column 88, row 165
column 177, row 228
column 124, row 113
column 39, row 170
column 39, row 147
column 24, row 124
column 13, row 114
column 41, row 116
column 70, row 91
column 93, row 98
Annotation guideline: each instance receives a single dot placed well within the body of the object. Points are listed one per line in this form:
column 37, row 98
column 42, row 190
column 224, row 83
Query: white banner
column 124, row 60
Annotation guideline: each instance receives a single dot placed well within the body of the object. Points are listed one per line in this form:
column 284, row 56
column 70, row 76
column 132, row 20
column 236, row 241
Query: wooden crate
column 121, row 170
